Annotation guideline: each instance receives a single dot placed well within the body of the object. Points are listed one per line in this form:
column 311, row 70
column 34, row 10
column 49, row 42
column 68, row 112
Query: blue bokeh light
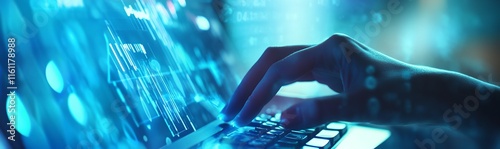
column 202, row 23
column 198, row 98
column 155, row 65
column 182, row 3
column 21, row 117
column 54, row 77
column 76, row 109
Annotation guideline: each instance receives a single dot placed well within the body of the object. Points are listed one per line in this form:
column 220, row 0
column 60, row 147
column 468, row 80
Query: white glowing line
column 138, row 14
column 144, row 107
column 127, row 47
column 116, row 56
column 194, row 128
column 120, row 52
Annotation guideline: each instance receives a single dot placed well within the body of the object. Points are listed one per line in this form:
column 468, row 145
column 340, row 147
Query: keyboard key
column 331, row 135
column 341, row 127
column 255, row 123
column 279, row 128
column 260, row 119
column 312, row 130
column 265, row 116
column 288, row 141
column 336, row 126
column 275, row 120
column 319, row 143
column 269, row 136
column 303, row 131
column 275, row 132
column 308, row 133
column 257, row 132
column 269, row 124
column 295, row 136
column 260, row 130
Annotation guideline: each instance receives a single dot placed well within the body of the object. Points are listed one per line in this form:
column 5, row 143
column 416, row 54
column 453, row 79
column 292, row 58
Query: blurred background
column 87, row 70
column 458, row 35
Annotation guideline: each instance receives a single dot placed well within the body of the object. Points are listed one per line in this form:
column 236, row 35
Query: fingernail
column 221, row 117
column 237, row 123
column 233, row 123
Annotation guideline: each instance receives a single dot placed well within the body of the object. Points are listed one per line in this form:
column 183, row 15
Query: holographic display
column 164, row 76
column 117, row 74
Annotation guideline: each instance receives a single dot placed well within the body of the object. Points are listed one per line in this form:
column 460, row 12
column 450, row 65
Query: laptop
column 163, row 74
column 200, row 128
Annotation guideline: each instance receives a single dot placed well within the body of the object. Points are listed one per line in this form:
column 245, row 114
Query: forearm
column 400, row 93
column 423, row 95
column 454, row 99
column 379, row 89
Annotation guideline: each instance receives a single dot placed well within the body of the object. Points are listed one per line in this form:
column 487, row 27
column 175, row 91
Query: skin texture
column 372, row 87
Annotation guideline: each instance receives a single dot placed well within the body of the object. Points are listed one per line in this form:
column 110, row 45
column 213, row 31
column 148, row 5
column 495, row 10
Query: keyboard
column 265, row 131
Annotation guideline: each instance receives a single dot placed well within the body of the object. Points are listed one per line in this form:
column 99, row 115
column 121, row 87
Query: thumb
column 314, row 112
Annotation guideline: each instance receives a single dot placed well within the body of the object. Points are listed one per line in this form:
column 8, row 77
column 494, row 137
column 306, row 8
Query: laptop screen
column 110, row 73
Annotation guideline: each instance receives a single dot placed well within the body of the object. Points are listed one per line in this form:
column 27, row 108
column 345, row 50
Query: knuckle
column 270, row 51
column 270, row 54
column 338, row 38
column 343, row 46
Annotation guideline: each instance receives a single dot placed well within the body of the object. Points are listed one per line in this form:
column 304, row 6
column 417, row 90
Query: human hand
column 373, row 87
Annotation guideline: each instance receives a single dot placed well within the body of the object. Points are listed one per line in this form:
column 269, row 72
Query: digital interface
column 152, row 70
column 148, row 73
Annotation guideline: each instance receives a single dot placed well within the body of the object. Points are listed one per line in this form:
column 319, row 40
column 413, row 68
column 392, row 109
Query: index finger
column 283, row 72
column 253, row 77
